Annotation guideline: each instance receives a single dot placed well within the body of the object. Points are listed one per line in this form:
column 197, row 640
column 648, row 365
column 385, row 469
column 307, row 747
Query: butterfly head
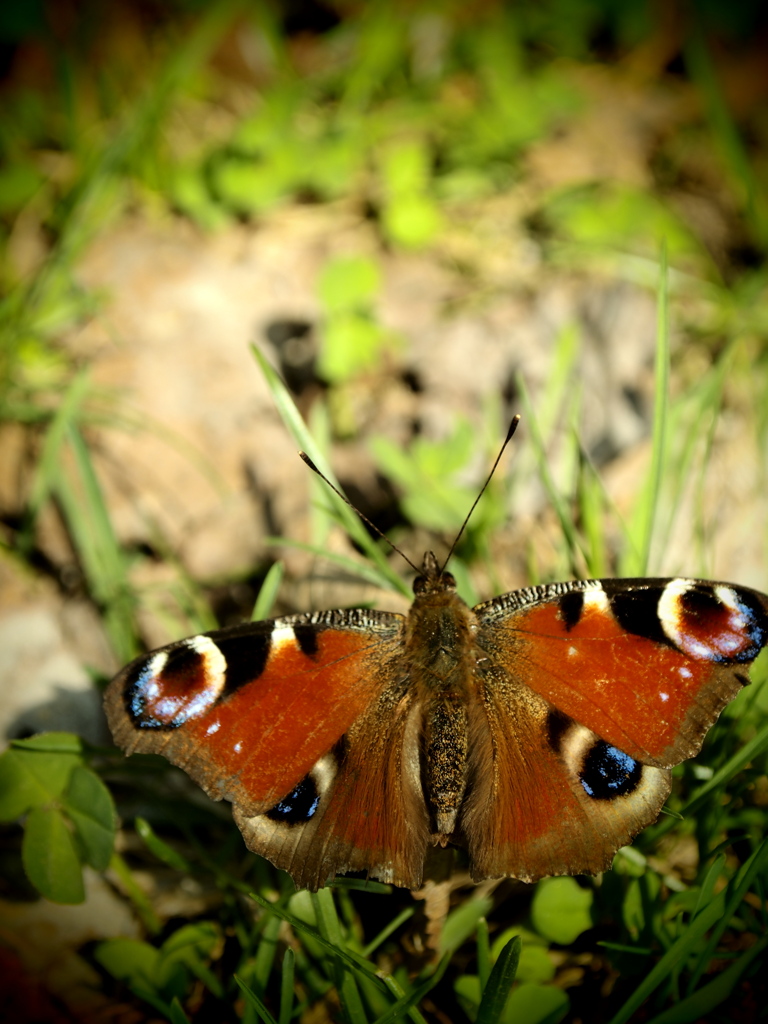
column 432, row 578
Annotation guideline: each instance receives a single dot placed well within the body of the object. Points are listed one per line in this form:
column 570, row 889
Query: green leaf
column 192, row 940
column 249, row 187
column 351, row 345
column 31, row 777
column 18, row 789
column 50, row 857
column 88, row 803
column 536, row 1004
column 412, row 221
column 349, row 283
column 535, row 964
column 561, row 909
column 128, row 960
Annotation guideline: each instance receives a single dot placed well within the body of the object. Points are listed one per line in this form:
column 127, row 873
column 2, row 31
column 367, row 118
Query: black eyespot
column 299, row 806
column 608, row 772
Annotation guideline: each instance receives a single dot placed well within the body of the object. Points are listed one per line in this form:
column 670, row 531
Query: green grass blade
column 265, row 601
column 674, row 956
column 101, row 556
column 360, row 570
column 649, row 500
column 48, row 466
column 301, row 435
column 699, row 1006
column 483, row 953
column 410, row 1000
column 496, row 992
column 286, row 986
column 736, row 891
column 575, row 554
column 257, row 1004
column 387, row 930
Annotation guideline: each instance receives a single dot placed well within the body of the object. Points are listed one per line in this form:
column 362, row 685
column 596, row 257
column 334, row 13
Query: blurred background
column 427, row 217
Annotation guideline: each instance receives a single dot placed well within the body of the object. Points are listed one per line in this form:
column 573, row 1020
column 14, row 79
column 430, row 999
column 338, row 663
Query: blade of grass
column 496, row 992
column 483, row 953
column 268, row 592
column 361, row 570
column 737, row 889
column 254, row 1000
column 298, row 430
column 102, row 559
column 388, row 930
column 749, row 752
column 638, row 558
column 286, row 986
column 575, row 554
column 699, row 1005
column 708, row 917
column 353, row 960
column 408, row 1002
column 330, row 927
column 49, row 464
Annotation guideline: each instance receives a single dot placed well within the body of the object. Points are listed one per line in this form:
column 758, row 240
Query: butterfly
column 537, row 729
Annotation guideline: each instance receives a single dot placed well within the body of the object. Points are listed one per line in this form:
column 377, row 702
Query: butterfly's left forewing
column 247, row 711
column 304, row 724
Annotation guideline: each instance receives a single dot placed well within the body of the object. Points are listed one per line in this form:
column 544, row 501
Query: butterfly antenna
column 365, row 519
column 507, row 439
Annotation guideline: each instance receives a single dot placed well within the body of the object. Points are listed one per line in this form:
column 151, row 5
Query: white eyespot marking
column 572, row 652
column 671, row 614
column 732, row 641
column 730, row 600
column 212, row 728
column 150, row 674
column 663, row 696
column 595, row 600
column 214, row 665
column 685, row 672
column 282, row 635
column 324, row 772
column 238, row 747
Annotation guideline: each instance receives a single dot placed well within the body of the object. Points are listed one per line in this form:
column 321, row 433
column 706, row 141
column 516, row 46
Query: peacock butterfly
column 537, row 729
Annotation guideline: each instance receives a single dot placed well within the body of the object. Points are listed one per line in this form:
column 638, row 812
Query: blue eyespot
column 608, row 773
column 299, row 806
